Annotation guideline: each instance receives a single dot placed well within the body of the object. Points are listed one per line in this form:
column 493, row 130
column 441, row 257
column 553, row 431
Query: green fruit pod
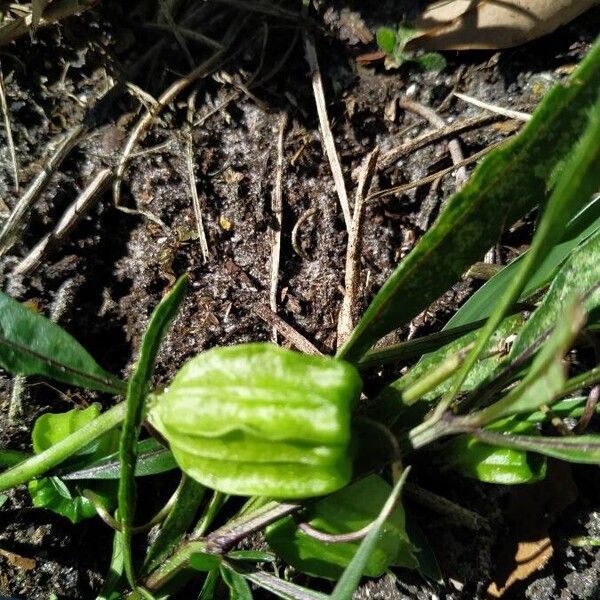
column 260, row 420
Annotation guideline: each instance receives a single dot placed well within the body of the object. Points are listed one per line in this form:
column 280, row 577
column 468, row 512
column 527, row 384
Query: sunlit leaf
column 348, row 582
column 579, row 275
column 51, row 492
column 545, row 378
column 137, row 390
column 481, row 303
column 153, row 459
column 345, row 511
column 509, row 182
column 583, row 449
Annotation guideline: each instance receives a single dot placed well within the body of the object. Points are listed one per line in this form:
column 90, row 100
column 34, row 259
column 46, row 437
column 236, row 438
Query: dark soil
column 115, row 266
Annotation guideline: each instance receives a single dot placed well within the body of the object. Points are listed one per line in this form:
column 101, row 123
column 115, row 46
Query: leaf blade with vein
column 30, row 344
column 506, row 185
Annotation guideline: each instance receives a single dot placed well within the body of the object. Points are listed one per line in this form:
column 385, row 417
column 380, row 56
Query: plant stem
column 587, row 379
column 38, row 465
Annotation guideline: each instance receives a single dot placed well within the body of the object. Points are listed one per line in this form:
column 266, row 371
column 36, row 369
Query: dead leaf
column 491, row 24
column 18, row 561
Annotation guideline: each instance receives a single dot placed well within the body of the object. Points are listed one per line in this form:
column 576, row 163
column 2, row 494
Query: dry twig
column 8, row 130
column 192, row 178
column 327, row 136
column 498, row 110
column 286, row 330
column 437, row 121
column 37, row 186
column 277, row 210
column 66, row 224
column 345, row 318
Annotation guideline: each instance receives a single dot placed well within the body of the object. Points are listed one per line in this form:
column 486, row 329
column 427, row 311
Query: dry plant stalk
column 491, row 24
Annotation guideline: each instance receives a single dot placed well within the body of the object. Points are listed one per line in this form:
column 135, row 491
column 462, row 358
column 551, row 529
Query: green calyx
column 260, row 420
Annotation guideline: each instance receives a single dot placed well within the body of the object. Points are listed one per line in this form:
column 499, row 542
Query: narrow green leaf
column 544, row 380
column 137, row 390
column 209, row 586
column 282, row 588
column 428, row 564
column 391, row 402
column 583, row 449
column 153, row 459
column 114, row 580
column 350, row 579
column 251, row 556
column 507, row 184
column 176, row 524
column 579, row 274
column 238, row 587
column 579, row 179
column 480, row 305
column 30, row 344
column 345, row 511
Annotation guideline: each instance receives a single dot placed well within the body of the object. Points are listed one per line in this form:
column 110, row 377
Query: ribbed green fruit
column 259, row 420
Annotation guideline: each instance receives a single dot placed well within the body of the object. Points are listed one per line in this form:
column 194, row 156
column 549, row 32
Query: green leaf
column 350, row 578
column 251, row 555
column 30, row 344
column 578, row 275
column 182, row 514
column 10, row 458
column 281, row 587
column 153, row 459
column 494, row 464
column 579, row 179
column 238, row 587
column 481, row 303
column 3, row 499
column 51, row 428
column 391, row 402
column 544, row 380
column 431, row 61
column 204, row 562
column 51, row 492
column 386, row 40
column 508, row 183
column 345, row 511
column 114, row 580
column 582, row 449
column 428, row 565
column 209, row 586
column 137, row 390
